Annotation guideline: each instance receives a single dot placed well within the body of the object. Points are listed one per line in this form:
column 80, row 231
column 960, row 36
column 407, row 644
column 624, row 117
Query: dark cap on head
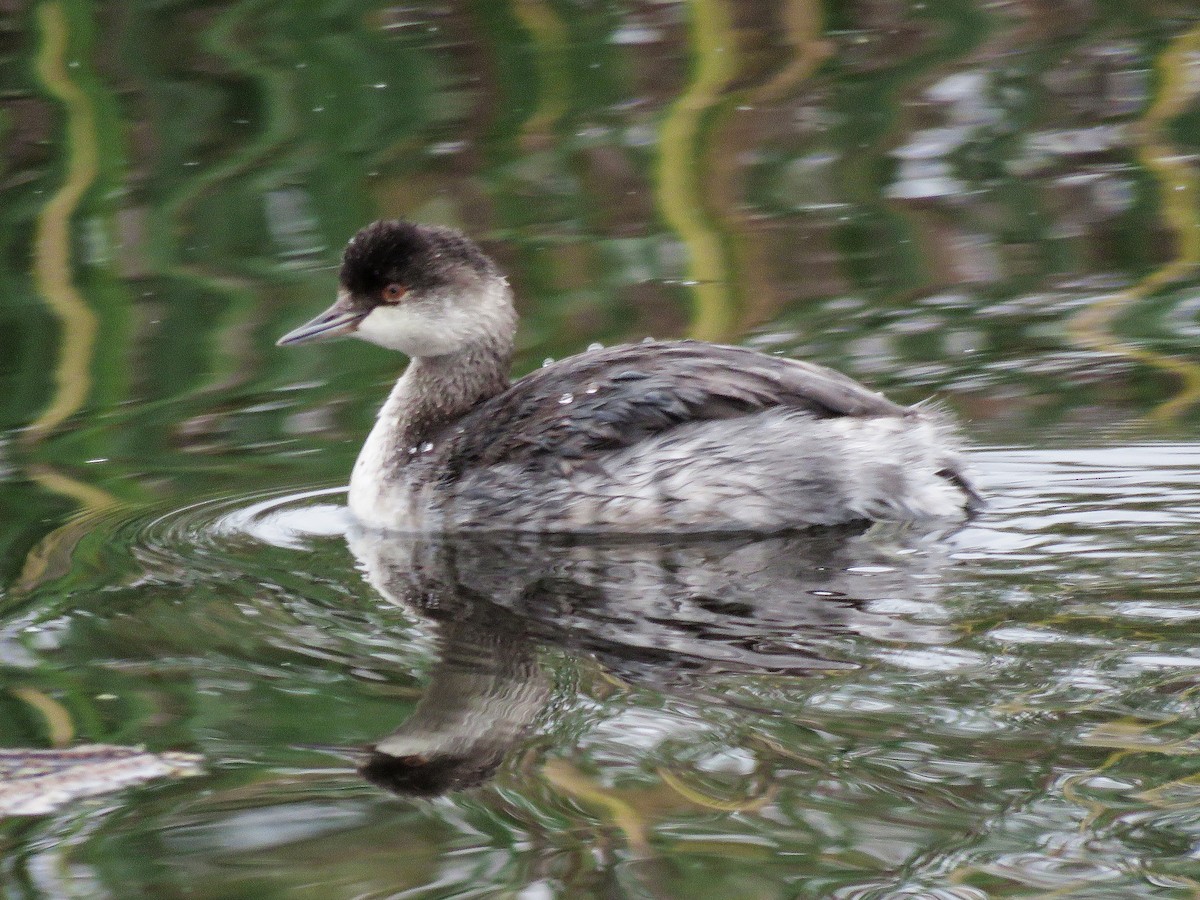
column 419, row 257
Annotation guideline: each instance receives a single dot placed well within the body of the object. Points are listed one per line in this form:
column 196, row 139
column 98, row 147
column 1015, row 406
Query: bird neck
column 436, row 390
column 485, row 690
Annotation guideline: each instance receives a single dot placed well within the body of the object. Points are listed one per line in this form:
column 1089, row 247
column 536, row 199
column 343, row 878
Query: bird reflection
column 657, row 611
column 485, row 691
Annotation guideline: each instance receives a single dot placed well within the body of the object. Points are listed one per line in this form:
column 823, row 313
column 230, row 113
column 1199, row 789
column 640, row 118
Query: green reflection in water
column 880, row 244
column 1019, row 722
column 550, row 37
column 1178, row 193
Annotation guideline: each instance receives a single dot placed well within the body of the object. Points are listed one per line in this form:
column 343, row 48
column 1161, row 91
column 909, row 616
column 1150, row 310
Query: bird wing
column 603, row 400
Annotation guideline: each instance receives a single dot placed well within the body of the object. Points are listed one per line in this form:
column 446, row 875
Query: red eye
column 393, row 292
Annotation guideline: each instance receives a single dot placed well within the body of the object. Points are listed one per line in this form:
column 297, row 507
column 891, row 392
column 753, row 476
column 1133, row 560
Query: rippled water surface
column 993, row 203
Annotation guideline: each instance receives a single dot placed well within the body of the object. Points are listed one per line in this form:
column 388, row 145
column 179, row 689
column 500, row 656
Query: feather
column 639, row 391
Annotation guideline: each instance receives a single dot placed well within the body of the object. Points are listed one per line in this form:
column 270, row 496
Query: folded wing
column 604, row 400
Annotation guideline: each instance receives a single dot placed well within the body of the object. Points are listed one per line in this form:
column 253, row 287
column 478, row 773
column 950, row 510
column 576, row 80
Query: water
column 1010, row 709
column 993, row 203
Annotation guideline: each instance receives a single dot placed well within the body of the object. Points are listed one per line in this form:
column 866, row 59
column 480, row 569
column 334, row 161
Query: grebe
column 663, row 436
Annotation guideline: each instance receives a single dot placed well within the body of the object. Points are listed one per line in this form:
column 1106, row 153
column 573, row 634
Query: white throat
column 460, row 354
column 443, row 323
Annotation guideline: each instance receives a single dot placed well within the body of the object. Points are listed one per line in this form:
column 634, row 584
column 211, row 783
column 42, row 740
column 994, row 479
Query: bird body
column 661, row 436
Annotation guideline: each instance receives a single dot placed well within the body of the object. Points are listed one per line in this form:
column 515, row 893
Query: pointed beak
column 341, row 318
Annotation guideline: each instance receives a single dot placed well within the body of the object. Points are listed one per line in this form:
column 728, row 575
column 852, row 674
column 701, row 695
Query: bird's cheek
column 407, row 328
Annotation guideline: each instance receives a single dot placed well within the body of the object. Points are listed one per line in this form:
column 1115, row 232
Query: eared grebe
column 660, row 436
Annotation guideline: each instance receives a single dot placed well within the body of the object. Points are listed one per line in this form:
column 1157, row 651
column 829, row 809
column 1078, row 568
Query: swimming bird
column 661, row 436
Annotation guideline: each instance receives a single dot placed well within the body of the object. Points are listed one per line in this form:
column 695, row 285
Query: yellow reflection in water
column 569, row 780
column 804, row 29
column 681, row 170
column 52, row 276
column 550, row 40
column 1178, row 194
column 52, row 241
column 701, row 799
column 59, row 727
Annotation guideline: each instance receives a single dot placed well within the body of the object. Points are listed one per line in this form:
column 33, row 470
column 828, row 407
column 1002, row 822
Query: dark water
column 995, row 203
